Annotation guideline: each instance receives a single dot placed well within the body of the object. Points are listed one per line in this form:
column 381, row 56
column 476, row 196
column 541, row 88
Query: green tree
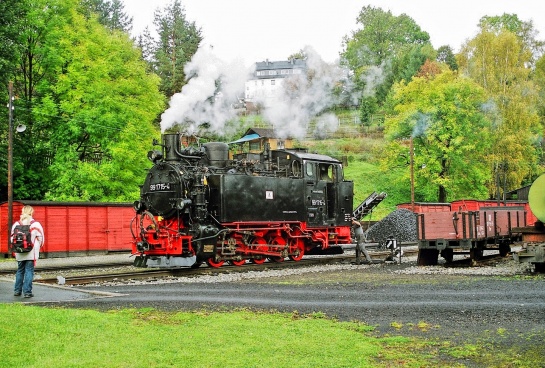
column 446, row 55
column 524, row 30
column 12, row 16
column 498, row 58
column 450, row 133
column 43, row 22
column 111, row 13
column 395, row 45
column 178, row 41
column 99, row 113
column 539, row 80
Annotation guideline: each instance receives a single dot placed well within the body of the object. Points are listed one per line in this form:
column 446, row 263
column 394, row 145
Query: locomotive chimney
column 171, row 145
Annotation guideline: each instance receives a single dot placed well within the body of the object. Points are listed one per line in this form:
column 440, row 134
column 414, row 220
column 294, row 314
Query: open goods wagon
column 75, row 228
column 469, row 205
column 462, row 232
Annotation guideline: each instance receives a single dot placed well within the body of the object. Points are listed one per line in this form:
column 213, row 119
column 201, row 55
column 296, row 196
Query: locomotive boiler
column 199, row 205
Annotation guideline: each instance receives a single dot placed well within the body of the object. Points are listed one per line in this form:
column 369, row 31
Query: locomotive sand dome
column 536, row 198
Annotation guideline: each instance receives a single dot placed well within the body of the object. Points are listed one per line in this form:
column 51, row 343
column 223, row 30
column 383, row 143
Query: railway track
column 143, row 274
column 486, row 260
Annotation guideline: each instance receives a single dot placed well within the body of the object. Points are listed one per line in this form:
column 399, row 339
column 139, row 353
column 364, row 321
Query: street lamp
column 20, row 128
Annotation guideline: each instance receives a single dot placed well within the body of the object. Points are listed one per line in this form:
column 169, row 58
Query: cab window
column 326, row 172
column 309, row 169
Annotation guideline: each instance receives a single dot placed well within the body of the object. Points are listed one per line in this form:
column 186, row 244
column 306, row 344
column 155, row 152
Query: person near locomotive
column 360, row 238
column 27, row 261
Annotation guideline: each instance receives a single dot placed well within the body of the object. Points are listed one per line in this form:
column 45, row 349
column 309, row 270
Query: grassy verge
column 44, row 337
column 48, row 337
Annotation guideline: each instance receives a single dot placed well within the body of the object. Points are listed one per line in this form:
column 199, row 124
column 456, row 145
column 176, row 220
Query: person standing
column 26, row 261
column 360, row 238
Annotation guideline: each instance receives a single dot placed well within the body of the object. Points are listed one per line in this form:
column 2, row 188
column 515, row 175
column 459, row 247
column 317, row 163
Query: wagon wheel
column 213, row 263
column 240, row 262
column 505, row 248
column 277, row 242
column 297, row 250
column 260, row 244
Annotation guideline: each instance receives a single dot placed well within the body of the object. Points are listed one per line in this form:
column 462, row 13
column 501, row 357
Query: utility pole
column 411, row 154
column 10, row 163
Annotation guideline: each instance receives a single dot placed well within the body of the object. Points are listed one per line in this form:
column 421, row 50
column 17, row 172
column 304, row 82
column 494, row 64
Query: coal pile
column 401, row 224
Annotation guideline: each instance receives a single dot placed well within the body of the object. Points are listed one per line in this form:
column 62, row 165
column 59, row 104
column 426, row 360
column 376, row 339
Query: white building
column 268, row 81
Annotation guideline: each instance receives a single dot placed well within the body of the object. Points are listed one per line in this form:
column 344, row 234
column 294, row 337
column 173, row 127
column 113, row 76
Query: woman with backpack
column 27, row 237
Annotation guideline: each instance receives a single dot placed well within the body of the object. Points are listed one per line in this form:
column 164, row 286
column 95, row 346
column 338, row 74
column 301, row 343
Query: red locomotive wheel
column 239, row 263
column 298, row 250
column 261, row 246
column 213, row 263
column 277, row 243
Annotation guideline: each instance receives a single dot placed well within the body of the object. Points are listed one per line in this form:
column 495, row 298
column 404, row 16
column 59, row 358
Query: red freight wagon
column 422, row 207
column 467, row 231
column 467, row 205
column 76, row 228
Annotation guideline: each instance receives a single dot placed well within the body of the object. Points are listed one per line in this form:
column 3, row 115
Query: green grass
column 44, row 337
column 49, row 337
column 368, row 178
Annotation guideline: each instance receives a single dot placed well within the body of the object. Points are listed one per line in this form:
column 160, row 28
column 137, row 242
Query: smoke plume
column 214, row 86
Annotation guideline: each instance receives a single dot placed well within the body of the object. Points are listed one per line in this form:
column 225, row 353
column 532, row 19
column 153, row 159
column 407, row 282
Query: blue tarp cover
column 246, row 138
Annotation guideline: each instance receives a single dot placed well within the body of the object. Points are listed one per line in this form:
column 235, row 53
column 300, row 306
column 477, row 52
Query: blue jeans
column 24, row 276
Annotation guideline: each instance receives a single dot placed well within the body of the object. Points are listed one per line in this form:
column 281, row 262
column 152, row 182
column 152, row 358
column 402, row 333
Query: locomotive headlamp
column 138, row 206
column 155, row 155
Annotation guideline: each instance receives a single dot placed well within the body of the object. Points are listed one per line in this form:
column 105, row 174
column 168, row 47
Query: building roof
column 256, row 133
column 284, row 64
column 279, row 69
column 262, row 132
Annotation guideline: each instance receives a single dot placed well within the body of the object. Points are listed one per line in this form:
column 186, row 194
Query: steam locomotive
column 198, row 205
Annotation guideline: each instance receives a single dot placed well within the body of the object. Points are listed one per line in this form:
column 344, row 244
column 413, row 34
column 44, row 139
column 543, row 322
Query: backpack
column 22, row 239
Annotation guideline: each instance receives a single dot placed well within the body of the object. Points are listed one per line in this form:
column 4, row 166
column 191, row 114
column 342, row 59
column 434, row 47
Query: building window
column 272, row 72
column 255, row 146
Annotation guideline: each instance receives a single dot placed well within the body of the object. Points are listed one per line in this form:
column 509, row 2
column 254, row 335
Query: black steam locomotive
column 198, row 205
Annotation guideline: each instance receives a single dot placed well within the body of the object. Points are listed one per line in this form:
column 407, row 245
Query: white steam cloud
column 207, row 98
column 300, row 99
column 305, row 97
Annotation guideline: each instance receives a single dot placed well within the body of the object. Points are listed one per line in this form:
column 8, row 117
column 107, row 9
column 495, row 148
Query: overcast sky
column 256, row 30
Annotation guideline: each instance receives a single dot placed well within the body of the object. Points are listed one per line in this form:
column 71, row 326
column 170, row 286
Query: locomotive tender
column 198, row 205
